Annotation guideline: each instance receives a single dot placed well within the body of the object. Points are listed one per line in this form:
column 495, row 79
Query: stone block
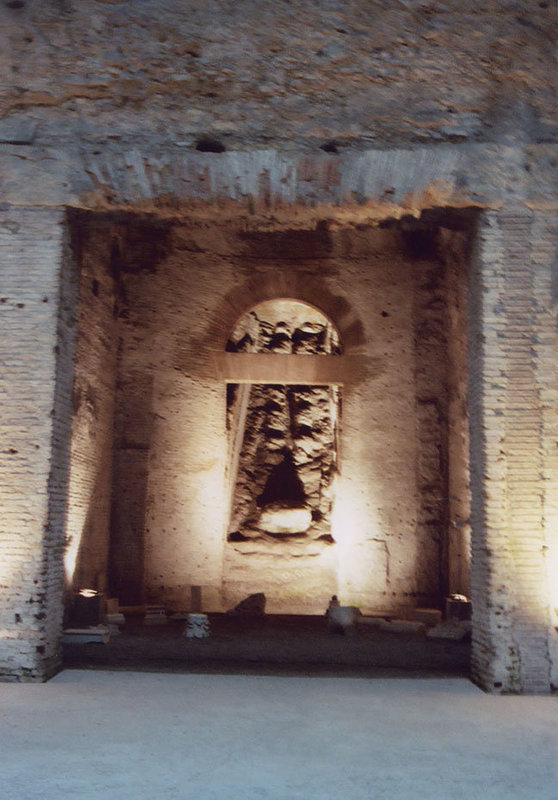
column 450, row 629
column 197, row 626
column 458, row 607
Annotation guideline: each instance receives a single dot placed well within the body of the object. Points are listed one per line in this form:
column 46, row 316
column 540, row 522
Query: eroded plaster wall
column 170, row 497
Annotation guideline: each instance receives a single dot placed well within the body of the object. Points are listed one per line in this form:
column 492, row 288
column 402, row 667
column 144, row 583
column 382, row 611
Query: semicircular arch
column 305, row 289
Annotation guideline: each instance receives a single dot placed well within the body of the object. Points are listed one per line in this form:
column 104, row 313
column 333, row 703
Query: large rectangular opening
column 164, row 501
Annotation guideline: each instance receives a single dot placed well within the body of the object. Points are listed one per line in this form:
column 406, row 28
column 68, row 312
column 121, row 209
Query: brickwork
column 544, row 238
column 454, row 246
column 303, row 117
column 297, row 75
column 90, row 486
column 509, row 577
column 38, row 322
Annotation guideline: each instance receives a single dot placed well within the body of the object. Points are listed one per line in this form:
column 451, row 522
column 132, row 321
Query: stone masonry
column 226, row 147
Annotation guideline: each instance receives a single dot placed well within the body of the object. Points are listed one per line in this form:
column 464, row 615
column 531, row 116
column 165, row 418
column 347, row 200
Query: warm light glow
column 357, row 532
column 70, row 557
column 87, row 593
column 194, row 499
column 80, row 493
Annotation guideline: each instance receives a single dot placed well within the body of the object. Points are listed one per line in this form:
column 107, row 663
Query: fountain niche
column 282, row 459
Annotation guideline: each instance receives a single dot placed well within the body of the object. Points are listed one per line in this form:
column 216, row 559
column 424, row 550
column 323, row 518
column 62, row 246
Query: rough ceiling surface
column 292, row 74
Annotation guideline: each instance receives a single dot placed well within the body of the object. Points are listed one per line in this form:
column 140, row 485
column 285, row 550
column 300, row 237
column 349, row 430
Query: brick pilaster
column 509, row 572
column 37, row 312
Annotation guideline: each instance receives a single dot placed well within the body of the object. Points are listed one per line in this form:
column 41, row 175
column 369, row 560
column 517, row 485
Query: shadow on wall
column 132, row 443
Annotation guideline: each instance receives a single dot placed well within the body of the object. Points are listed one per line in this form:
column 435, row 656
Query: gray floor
column 152, row 736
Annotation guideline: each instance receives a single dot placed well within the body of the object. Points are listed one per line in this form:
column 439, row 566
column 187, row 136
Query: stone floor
column 145, row 735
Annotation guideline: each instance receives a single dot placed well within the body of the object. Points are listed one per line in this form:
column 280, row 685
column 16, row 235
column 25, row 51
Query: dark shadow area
column 272, row 644
column 129, row 496
column 283, row 485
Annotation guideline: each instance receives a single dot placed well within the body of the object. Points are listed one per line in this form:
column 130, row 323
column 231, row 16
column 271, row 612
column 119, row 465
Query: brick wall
column 37, row 307
column 544, row 258
column 127, row 105
column 169, row 501
column 90, row 483
column 455, row 247
column 431, row 415
column 508, row 373
column 513, row 425
column 296, row 75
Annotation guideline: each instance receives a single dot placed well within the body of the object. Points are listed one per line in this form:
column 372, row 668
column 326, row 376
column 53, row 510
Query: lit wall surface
column 170, row 478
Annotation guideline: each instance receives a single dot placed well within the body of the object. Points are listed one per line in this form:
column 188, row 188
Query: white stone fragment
column 197, row 626
column 342, row 619
column 285, row 520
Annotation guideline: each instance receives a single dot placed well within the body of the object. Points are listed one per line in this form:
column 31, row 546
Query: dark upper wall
column 288, row 74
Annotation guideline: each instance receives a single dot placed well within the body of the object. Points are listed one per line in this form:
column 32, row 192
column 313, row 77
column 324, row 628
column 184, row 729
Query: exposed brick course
column 509, row 570
column 37, row 314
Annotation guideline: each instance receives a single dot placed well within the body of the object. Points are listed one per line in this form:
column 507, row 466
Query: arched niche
column 308, row 290
column 282, row 435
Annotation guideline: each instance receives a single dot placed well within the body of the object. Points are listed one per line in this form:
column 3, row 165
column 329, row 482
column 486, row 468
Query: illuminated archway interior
column 192, row 475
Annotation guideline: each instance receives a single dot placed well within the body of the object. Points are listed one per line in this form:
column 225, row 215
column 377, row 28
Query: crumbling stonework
column 219, row 155
column 297, row 75
column 287, row 458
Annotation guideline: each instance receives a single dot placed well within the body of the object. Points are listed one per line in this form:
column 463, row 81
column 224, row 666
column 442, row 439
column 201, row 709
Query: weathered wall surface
column 106, row 100
column 296, row 75
column 38, row 324
column 90, row 482
column 417, row 106
column 170, row 492
column 455, row 248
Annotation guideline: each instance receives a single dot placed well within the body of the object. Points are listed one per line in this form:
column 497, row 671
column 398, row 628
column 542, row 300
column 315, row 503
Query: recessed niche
column 282, row 437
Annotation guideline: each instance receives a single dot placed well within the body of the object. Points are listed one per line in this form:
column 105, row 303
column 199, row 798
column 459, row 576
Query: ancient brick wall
column 511, row 473
column 294, row 114
column 298, row 75
column 455, row 248
column 37, row 311
column 170, row 511
column 90, row 482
